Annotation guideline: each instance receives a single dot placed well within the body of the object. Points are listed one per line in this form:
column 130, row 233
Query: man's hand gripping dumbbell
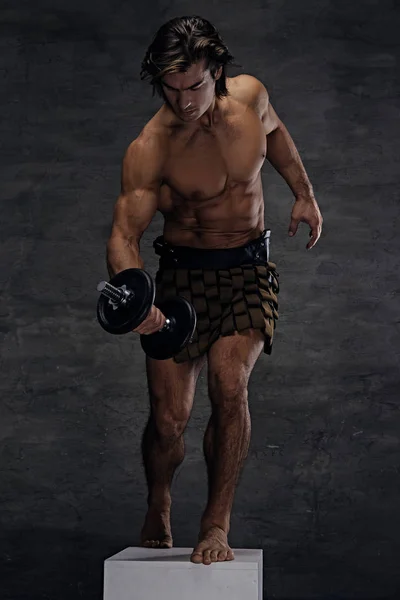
column 126, row 303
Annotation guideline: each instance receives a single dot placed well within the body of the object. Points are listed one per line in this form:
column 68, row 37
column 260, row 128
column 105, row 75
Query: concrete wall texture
column 320, row 489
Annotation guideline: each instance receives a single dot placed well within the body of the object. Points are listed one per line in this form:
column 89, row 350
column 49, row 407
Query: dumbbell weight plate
column 127, row 316
column 169, row 342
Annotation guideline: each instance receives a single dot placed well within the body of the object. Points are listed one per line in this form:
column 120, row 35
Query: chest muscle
column 203, row 165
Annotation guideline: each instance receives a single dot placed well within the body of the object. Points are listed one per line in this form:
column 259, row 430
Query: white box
column 168, row 574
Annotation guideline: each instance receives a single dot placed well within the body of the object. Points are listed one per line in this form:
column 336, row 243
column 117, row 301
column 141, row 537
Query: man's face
column 190, row 93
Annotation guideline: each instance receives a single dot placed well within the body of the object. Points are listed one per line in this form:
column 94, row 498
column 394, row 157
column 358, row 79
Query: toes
column 207, row 556
column 151, row 544
column 214, row 555
column 197, row 557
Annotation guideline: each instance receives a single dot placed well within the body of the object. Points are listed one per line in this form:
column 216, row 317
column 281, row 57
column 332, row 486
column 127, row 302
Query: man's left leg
column 230, row 362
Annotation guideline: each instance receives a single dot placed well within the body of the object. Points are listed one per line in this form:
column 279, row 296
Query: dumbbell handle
column 120, row 296
column 113, row 293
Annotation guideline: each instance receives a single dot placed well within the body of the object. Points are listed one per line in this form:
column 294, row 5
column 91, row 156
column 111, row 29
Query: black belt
column 186, row 257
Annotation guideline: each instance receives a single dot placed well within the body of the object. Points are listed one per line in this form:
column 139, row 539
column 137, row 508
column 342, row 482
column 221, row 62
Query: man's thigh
column 172, row 386
column 231, row 360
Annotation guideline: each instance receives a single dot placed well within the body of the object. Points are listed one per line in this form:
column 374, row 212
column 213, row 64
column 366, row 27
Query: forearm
column 122, row 254
column 284, row 157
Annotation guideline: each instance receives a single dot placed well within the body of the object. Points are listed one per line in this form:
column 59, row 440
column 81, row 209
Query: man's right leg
column 171, row 389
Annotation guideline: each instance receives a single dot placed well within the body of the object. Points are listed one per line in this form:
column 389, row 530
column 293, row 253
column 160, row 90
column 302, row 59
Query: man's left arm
column 284, row 157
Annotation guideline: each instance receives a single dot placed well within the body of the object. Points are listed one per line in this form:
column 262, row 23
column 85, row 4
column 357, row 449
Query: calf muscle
column 171, row 390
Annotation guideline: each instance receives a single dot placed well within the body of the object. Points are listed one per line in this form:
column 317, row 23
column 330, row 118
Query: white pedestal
column 168, row 574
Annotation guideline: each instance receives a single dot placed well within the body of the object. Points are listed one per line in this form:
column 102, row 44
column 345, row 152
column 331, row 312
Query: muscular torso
column 211, row 196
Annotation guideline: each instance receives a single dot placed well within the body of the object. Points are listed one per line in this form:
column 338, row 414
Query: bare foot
column 212, row 547
column 156, row 532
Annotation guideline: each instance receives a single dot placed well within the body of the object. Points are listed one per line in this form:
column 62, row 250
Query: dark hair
column 181, row 42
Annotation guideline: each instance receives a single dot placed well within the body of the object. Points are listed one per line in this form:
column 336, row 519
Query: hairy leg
column 171, row 390
column 226, row 442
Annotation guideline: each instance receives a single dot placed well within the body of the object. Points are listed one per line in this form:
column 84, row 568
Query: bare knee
column 169, row 417
column 228, row 391
column 171, row 389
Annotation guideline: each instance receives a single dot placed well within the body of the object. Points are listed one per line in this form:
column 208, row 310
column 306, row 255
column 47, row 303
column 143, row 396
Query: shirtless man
column 198, row 162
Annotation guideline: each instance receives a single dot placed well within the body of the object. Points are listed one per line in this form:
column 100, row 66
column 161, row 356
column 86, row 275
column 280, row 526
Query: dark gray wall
column 320, row 492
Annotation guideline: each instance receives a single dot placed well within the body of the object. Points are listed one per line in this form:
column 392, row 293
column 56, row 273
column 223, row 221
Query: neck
column 211, row 116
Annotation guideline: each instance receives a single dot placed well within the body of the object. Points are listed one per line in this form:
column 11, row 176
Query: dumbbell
column 125, row 302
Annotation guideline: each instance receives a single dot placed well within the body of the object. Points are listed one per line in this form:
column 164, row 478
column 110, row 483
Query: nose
column 185, row 102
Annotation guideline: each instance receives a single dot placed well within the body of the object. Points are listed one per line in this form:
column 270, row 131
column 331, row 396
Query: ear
column 218, row 74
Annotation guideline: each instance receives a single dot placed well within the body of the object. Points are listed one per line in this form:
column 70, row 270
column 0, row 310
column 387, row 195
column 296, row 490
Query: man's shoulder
column 151, row 141
column 249, row 90
column 146, row 153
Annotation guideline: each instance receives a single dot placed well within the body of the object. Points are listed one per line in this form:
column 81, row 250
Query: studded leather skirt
column 231, row 290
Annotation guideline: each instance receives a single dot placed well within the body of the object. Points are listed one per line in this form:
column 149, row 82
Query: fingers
column 315, row 234
column 293, row 227
column 153, row 322
column 306, row 210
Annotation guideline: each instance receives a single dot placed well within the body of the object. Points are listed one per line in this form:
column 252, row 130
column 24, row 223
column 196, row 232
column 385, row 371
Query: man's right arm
column 136, row 205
